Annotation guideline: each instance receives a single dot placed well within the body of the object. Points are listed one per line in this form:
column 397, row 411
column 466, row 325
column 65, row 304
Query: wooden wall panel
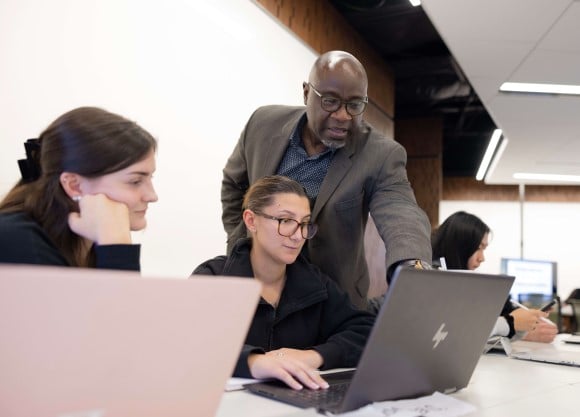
column 467, row 188
column 560, row 193
column 379, row 120
column 321, row 27
column 425, row 177
column 422, row 138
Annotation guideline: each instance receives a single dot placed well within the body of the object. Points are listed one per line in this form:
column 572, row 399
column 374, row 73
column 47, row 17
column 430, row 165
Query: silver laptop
column 558, row 352
column 428, row 336
column 94, row 343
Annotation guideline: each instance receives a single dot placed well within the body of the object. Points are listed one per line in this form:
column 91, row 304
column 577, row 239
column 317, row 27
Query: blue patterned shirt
column 307, row 170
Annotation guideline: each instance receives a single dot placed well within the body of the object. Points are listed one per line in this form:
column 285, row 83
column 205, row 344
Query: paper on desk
column 309, row 412
column 435, row 405
column 235, row 384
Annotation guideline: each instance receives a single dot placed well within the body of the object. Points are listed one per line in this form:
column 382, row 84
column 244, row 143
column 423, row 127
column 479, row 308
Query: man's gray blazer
column 367, row 175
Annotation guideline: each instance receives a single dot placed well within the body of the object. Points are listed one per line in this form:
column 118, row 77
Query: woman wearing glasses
column 303, row 321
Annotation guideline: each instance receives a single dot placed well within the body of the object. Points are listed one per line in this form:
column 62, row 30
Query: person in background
column 303, row 321
column 86, row 184
column 347, row 168
column 462, row 240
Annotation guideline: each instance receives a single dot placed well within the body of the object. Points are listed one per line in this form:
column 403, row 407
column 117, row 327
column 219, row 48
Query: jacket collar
column 303, row 287
column 277, row 143
column 339, row 168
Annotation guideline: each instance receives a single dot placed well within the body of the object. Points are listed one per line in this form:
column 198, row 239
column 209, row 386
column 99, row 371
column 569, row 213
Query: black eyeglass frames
column 332, row 104
column 287, row 227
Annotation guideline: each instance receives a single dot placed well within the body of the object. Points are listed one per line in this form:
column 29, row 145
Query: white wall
column 551, row 231
column 190, row 72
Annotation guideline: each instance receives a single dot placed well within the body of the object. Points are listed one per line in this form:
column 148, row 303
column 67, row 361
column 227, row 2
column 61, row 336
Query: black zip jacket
column 313, row 313
column 23, row 241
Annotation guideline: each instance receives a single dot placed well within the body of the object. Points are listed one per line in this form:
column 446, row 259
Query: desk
column 499, row 387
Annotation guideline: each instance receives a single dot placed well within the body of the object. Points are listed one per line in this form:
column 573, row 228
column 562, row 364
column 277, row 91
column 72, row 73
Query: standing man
column 347, row 168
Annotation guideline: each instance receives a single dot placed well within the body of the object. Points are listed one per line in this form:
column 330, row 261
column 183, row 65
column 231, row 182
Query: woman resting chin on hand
column 86, row 184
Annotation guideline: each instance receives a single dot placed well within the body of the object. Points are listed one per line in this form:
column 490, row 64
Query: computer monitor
column 532, row 277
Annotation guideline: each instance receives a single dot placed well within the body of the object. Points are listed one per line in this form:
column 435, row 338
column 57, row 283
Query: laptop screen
column 87, row 342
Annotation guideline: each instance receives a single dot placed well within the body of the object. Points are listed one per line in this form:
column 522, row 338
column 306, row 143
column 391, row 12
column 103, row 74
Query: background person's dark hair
column 458, row 237
column 87, row 141
column 262, row 192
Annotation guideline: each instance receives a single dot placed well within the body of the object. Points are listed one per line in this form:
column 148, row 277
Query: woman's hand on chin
column 101, row 220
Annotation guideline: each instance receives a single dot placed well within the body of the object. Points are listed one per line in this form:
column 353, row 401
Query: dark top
column 505, row 313
column 23, row 241
column 313, row 313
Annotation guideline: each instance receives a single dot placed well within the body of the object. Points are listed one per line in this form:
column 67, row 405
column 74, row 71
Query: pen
column 516, row 304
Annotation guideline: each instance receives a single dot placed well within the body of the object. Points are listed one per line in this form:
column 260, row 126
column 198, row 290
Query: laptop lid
column 94, row 343
column 428, row 336
column 558, row 352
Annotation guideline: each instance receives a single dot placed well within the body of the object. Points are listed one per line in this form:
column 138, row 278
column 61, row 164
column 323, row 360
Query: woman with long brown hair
column 86, row 184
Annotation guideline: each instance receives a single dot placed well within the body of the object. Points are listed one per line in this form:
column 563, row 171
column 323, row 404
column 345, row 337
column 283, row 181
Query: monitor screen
column 532, row 276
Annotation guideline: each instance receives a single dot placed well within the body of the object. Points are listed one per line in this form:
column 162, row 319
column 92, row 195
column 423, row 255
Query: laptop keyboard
column 322, row 398
column 325, row 399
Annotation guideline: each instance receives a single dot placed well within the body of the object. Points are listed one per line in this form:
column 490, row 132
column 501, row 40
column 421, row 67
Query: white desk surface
column 499, row 387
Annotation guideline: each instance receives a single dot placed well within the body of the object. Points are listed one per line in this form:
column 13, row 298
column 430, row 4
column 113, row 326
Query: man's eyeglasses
column 287, row 227
column 332, row 104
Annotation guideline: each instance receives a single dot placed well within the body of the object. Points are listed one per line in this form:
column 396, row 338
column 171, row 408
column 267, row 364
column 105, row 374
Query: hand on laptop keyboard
column 291, row 366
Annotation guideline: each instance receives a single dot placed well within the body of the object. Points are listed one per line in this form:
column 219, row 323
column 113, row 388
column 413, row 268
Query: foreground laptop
column 428, row 336
column 94, row 343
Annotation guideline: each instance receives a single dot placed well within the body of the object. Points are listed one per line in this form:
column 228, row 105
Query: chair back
column 574, row 301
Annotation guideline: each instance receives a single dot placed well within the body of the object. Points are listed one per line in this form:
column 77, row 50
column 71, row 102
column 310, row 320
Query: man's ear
column 305, row 91
column 71, row 183
column 250, row 220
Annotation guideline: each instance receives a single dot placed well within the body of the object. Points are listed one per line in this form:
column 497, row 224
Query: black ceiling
column 428, row 80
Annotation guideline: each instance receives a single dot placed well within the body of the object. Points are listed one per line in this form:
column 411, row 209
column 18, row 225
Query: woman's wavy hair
column 88, row 141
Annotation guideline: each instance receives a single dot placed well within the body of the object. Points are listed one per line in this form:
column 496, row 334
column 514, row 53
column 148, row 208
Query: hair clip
column 30, row 167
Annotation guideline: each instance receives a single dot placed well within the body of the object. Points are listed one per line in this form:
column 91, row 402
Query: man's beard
column 333, row 144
